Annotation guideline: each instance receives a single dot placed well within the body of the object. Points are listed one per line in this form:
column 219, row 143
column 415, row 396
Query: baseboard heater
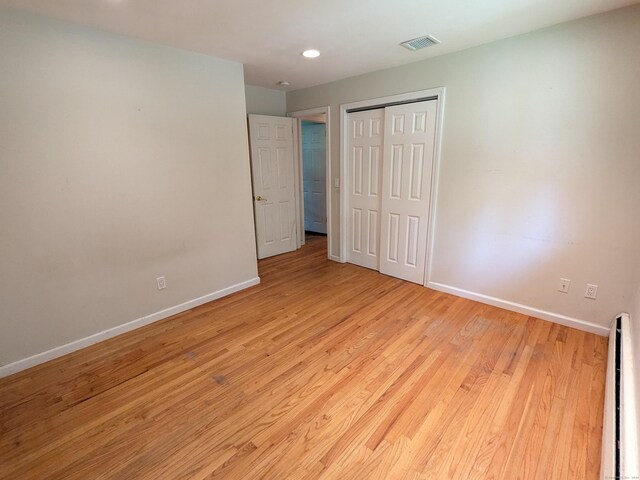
column 620, row 432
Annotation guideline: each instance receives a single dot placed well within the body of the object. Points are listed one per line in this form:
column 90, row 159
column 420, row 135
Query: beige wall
column 540, row 162
column 120, row 161
column 266, row 101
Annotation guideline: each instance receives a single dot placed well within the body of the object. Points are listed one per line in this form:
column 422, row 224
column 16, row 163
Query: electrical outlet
column 591, row 291
column 162, row 283
column 336, row 182
column 563, row 285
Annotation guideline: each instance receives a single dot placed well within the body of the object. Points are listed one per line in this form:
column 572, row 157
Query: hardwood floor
column 323, row 371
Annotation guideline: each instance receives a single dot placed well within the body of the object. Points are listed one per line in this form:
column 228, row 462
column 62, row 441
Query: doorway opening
column 313, row 174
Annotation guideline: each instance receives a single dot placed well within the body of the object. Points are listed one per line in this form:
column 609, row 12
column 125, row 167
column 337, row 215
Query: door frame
column 297, row 116
column 381, row 102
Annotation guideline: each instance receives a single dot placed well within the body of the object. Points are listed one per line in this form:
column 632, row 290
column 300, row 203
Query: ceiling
column 354, row 36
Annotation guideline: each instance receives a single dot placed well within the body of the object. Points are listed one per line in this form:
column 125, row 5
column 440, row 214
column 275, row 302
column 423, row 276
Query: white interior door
column 271, row 145
column 365, row 145
column 314, row 177
column 409, row 136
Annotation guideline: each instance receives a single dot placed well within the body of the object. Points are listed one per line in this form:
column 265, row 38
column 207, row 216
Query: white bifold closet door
column 389, row 200
column 409, row 132
column 366, row 131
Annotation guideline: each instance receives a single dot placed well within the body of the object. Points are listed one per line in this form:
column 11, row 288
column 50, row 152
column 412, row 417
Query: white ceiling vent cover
column 418, row 43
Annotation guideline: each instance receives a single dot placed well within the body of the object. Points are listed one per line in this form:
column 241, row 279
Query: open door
column 272, row 172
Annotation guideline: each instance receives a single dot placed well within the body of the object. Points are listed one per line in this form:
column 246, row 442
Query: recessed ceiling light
column 311, row 53
column 284, row 83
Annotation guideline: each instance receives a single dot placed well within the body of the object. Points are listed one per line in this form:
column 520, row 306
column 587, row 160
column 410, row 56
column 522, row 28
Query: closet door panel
column 409, row 136
column 365, row 147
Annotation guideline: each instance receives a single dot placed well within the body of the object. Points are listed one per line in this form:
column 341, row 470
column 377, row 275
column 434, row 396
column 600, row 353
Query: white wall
column 540, row 162
column 266, row 101
column 120, row 161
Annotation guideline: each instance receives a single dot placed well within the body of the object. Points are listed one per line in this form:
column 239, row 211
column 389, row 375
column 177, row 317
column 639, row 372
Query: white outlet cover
column 591, row 291
column 563, row 285
column 162, row 283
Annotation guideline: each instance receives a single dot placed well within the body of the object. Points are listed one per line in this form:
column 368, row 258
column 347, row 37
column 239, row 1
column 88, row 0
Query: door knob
column 259, row 198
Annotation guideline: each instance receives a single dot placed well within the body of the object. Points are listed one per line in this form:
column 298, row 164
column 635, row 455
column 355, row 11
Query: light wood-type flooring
column 323, row 371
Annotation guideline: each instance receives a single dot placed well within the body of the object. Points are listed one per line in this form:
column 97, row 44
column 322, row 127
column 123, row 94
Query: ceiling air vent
column 418, row 43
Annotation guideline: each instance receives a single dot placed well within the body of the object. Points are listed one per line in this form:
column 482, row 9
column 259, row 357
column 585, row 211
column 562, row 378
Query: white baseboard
column 15, row 367
column 524, row 309
column 335, row 258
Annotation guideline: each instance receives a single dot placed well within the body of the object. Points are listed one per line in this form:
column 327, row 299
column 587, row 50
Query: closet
column 390, row 166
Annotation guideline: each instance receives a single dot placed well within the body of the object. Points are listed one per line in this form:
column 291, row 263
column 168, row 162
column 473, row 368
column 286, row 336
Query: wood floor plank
column 323, row 371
